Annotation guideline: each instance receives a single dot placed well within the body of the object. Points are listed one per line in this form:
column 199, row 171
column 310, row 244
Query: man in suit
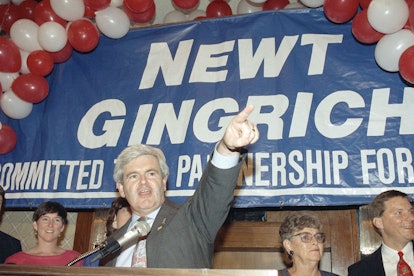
column 392, row 216
column 181, row 236
column 8, row 244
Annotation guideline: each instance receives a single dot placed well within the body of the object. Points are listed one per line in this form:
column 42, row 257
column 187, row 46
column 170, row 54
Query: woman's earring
column 291, row 253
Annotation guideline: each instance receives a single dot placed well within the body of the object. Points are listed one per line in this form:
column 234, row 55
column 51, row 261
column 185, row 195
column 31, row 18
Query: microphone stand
column 86, row 254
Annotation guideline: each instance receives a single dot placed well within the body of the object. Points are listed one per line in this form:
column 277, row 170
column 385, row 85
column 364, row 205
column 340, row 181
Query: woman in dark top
column 303, row 241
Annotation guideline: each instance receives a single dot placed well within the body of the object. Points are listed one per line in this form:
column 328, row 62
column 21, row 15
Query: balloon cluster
column 37, row 34
column 387, row 23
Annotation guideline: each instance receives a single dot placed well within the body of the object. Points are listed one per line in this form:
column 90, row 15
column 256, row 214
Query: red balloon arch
column 38, row 34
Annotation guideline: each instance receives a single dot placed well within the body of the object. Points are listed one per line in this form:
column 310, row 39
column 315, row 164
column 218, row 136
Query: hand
column 239, row 133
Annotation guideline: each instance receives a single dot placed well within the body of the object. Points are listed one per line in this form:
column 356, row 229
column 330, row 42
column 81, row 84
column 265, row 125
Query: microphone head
column 142, row 227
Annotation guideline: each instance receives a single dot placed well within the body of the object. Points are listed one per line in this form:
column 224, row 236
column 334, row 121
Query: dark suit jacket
column 183, row 236
column 368, row 266
column 8, row 246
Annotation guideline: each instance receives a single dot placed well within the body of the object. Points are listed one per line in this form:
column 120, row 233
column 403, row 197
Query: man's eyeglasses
column 307, row 237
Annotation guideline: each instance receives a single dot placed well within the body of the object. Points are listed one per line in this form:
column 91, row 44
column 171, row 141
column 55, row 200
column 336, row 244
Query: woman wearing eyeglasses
column 303, row 241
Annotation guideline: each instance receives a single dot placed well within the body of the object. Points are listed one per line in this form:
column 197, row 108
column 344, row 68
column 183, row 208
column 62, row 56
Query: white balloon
column 174, row 17
column 6, row 79
column 390, row 48
column 112, row 22
column 387, row 16
column 52, row 36
column 256, row 1
column 24, row 69
column 116, row 3
column 248, row 6
column 195, row 13
column 135, row 25
column 312, row 3
column 13, row 106
column 24, row 32
column 69, row 10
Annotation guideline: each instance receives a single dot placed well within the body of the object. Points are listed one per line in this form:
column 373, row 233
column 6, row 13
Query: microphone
column 113, row 244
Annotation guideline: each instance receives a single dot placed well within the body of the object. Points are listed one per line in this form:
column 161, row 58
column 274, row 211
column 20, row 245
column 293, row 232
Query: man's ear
column 378, row 223
column 120, row 188
column 164, row 182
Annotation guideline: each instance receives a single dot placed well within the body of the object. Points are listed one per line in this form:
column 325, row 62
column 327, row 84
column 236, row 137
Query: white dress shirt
column 390, row 258
column 124, row 259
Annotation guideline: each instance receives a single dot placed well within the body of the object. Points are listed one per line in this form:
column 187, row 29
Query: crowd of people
column 183, row 236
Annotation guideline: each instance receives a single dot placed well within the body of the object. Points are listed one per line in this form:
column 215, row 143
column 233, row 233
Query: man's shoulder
column 169, row 204
column 366, row 264
column 5, row 236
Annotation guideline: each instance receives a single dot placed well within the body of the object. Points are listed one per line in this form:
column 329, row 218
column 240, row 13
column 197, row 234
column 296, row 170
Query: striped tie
column 139, row 257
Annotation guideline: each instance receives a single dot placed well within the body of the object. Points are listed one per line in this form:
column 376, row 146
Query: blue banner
column 335, row 128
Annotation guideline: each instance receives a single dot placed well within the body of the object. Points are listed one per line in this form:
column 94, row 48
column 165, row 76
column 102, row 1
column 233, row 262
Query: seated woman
column 49, row 221
column 118, row 215
column 303, row 241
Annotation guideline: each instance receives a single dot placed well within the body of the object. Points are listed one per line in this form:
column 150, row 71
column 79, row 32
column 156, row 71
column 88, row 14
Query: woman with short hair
column 49, row 221
column 303, row 241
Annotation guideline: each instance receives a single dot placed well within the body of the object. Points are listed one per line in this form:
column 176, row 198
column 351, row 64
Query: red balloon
column 9, row 14
column 97, row 4
column 30, row 88
column 8, row 139
column 10, row 58
column 40, row 63
column 200, row 17
column 186, row 4
column 406, row 65
column 138, row 6
column 275, row 5
column 340, row 11
column 27, row 7
column 83, row 35
column 363, row 31
column 141, row 17
column 411, row 17
column 44, row 13
column 364, row 3
column 217, row 8
column 89, row 12
column 62, row 55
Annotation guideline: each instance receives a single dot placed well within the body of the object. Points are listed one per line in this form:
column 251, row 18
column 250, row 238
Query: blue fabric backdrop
column 335, row 128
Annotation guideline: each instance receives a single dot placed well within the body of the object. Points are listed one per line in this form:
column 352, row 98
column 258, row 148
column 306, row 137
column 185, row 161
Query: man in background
column 392, row 216
column 8, row 244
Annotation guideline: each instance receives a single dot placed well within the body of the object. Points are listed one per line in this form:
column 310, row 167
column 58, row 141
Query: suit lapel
column 164, row 216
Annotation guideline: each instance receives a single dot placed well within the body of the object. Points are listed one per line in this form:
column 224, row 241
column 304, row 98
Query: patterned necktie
column 403, row 269
column 139, row 256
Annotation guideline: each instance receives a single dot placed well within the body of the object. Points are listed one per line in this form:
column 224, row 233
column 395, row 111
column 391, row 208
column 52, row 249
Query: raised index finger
column 244, row 114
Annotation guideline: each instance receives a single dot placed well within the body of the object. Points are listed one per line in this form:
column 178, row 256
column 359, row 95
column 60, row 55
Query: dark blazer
column 370, row 265
column 9, row 245
column 182, row 236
